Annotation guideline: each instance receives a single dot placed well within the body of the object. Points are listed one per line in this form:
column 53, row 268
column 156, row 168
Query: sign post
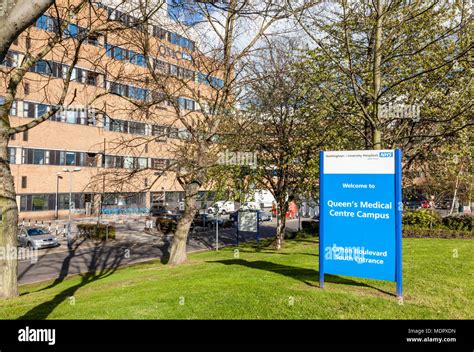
column 248, row 222
column 361, row 215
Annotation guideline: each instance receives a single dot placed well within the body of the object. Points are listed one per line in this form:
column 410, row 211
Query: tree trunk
column 280, row 231
column 178, row 246
column 455, row 192
column 377, row 139
column 8, row 225
column 377, row 134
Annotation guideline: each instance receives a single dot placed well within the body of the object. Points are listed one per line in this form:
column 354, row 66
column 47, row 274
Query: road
column 84, row 256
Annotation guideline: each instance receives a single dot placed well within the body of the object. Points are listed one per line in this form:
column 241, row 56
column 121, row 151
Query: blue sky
column 186, row 10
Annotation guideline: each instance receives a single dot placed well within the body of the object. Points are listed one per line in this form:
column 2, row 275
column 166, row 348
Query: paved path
column 131, row 246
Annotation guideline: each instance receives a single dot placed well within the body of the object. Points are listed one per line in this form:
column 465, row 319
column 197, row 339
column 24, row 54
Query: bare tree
column 16, row 16
column 199, row 103
column 54, row 55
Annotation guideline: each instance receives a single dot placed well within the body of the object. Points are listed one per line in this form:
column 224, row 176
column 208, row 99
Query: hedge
column 310, row 226
column 441, row 232
column 97, row 231
column 423, row 218
column 463, row 222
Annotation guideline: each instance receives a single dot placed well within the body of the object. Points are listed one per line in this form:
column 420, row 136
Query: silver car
column 36, row 238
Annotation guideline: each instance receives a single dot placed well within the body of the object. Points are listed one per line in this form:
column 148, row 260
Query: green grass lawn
column 261, row 284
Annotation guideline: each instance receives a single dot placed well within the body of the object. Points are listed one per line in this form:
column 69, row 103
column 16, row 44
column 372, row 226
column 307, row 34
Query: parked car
column 263, row 216
column 206, row 220
column 157, row 210
column 417, row 204
column 36, row 238
column 221, row 207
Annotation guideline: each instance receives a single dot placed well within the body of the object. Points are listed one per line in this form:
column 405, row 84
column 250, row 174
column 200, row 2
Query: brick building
column 109, row 80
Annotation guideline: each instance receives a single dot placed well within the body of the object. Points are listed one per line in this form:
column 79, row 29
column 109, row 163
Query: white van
column 264, row 198
column 222, row 207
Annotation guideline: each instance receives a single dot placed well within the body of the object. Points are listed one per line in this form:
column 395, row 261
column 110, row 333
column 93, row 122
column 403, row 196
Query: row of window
column 138, row 93
column 42, row 202
column 91, row 78
column 158, row 32
column 119, row 53
column 57, row 157
column 135, row 58
column 53, row 25
column 126, row 90
column 79, row 116
column 32, row 156
column 59, row 70
column 88, row 117
column 132, row 162
column 214, row 82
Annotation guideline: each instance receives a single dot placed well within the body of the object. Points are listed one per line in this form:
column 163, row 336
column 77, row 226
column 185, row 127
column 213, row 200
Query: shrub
column 97, row 231
column 463, row 222
column 423, row 218
column 417, row 232
column 310, row 226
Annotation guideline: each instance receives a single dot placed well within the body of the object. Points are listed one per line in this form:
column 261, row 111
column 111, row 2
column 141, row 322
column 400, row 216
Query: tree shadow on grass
column 101, row 262
column 302, row 274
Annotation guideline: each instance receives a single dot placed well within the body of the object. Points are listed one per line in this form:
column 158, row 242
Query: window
column 186, row 104
column 186, row 56
column 24, row 181
column 159, row 164
column 161, row 65
column 25, row 136
column 14, row 108
column 12, row 155
column 38, row 156
column 109, row 50
column 141, row 163
column 26, row 88
column 39, row 202
column 173, row 132
column 42, row 66
column 41, row 109
column 114, row 161
column 159, row 131
column 72, row 30
column 93, row 39
column 128, row 162
column 42, row 22
column 173, row 70
column 12, row 59
column 70, row 158
column 92, row 78
column 90, row 159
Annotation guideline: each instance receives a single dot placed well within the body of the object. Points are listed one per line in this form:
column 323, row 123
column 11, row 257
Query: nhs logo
column 386, row 154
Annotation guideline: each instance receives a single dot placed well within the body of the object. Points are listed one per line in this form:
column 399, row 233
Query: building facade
column 88, row 133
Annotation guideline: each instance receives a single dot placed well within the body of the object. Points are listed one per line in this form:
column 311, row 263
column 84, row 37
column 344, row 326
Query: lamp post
column 77, row 169
column 58, row 176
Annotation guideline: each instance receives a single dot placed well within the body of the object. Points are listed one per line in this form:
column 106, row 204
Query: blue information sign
column 360, row 214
